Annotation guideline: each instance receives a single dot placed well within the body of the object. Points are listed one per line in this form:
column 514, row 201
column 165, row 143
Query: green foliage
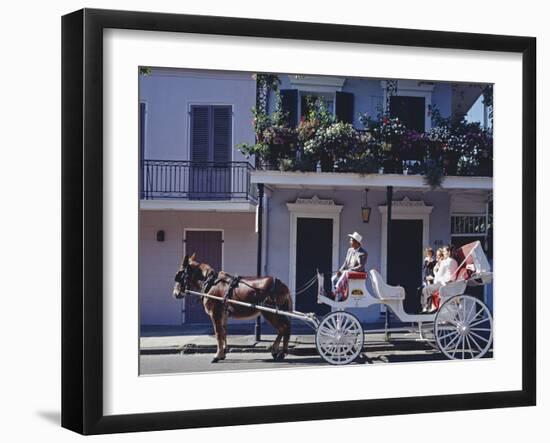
column 335, row 144
column 318, row 111
column 274, row 138
column 269, row 81
column 448, row 148
column 462, row 147
column 433, row 174
column 336, row 140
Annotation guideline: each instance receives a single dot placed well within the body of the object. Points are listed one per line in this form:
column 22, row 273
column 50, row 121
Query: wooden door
column 313, row 251
column 405, row 260
column 208, row 247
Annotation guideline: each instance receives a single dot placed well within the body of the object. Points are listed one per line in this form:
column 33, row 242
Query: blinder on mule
column 179, row 276
column 184, row 276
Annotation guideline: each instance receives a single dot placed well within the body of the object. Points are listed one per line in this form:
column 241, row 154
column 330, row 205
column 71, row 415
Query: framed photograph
column 268, row 221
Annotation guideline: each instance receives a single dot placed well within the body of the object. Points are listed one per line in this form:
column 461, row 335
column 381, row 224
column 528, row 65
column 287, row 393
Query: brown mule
column 267, row 291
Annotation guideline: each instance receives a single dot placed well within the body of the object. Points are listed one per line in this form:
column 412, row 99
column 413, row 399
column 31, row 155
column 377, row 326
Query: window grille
column 469, row 224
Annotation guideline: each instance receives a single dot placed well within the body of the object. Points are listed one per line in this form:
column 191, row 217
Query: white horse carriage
column 461, row 327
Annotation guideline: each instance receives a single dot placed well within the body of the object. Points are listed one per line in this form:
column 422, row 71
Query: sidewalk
column 199, row 339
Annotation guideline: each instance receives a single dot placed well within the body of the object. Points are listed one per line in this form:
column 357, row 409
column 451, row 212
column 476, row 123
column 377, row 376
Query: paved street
column 180, row 363
column 402, row 351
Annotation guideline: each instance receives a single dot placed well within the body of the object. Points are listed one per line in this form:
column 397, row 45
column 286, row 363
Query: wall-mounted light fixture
column 160, row 235
column 365, row 210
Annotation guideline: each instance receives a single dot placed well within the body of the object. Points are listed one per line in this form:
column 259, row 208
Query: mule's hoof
column 215, row 360
column 280, row 356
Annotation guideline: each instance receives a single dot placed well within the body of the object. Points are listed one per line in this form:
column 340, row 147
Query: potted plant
column 275, row 140
column 413, row 145
column 335, row 142
column 474, row 147
column 281, row 140
column 313, row 136
column 389, row 133
column 433, row 174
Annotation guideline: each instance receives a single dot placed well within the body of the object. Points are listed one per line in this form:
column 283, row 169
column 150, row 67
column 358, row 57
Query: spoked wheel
column 464, row 328
column 339, row 338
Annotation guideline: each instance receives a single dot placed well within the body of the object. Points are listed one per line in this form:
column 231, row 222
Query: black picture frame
column 82, row 215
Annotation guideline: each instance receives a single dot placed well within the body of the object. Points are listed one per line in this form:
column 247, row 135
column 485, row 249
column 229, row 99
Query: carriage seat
column 453, row 288
column 355, row 275
column 383, row 290
column 460, row 279
column 464, row 271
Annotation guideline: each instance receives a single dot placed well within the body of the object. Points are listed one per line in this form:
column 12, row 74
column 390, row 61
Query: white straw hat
column 356, row 236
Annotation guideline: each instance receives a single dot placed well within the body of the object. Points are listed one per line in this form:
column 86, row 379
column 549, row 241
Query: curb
column 212, row 350
column 300, row 350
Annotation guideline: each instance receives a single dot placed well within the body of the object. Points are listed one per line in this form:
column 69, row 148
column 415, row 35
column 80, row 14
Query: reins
column 306, row 286
column 234, row 280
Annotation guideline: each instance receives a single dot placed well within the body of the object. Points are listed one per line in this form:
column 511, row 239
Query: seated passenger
column 444, row 273
column 428, row 276
column 356, row 259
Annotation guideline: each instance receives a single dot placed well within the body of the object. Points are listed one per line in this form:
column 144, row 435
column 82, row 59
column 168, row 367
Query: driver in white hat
column 356, row 259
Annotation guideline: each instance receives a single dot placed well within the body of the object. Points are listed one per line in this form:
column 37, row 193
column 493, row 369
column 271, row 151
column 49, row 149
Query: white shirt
column 446, row 270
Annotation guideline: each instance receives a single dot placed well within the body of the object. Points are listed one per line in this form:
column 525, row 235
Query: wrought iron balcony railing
column 188, row 180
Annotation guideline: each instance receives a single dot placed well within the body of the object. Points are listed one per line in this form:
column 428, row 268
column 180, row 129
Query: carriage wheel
column 464, row 328
column 339, row 338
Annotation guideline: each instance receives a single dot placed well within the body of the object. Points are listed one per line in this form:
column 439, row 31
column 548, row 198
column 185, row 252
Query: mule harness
column 233, row 282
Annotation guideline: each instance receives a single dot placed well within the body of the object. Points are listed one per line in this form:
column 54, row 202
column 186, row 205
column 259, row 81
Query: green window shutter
column 221, row 132
column 200, row 133
column 211, row 133
column 344, row 107
column 289, row 101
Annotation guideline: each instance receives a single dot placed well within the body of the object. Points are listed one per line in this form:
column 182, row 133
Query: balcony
column 394, row 164
column 384, row 147
column 196, row 182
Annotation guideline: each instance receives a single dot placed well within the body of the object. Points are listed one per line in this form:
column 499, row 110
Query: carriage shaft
column 310, row 318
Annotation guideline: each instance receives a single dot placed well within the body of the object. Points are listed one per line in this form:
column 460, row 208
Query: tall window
column 328, row 100
column 210, row 174
column 338, row 103
column 211, row 133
